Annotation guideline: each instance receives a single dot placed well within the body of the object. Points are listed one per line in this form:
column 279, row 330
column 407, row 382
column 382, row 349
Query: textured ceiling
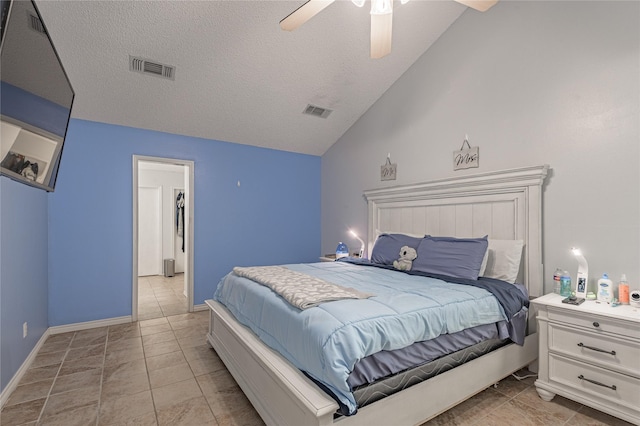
column 239, row 78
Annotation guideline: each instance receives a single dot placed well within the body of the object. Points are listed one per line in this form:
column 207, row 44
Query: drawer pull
column 612, row 387
column 582, row 345
column 596, row 324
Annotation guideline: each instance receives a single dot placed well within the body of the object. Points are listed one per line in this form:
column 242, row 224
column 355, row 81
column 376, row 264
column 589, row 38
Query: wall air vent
column 35, row 23
column 145, row 66
column 317, row 111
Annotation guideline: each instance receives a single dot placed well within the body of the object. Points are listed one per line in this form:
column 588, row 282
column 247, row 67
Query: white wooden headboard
column 504, row 205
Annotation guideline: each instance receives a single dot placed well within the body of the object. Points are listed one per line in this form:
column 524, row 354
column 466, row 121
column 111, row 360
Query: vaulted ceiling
column 238, row 77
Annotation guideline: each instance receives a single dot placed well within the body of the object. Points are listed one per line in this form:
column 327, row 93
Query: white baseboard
column 89, row 324
column 202, row 307
column 13, row 383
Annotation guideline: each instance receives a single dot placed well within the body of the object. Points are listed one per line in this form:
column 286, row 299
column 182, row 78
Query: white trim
column 202, row 307
column 13, row 383
column 189, row 210
column 58, row 329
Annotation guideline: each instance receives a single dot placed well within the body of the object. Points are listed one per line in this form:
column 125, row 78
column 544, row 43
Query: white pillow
column 502, row 260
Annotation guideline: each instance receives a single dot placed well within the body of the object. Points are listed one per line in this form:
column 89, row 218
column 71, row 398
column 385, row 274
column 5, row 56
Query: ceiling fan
column 381, row 18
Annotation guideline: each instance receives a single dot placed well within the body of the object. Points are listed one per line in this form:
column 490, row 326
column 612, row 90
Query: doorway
column 162, row 278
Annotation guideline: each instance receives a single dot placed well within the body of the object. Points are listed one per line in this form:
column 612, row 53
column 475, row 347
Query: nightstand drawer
column 595, row 322
column 605, row 350
column 595, row 381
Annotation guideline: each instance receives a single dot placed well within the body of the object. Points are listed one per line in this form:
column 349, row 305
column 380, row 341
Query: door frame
column 189, row 246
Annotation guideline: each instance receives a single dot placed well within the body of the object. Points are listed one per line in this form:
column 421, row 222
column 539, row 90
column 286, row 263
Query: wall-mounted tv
column 35, row 97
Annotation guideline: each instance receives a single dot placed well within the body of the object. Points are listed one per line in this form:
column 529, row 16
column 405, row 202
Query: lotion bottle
column 623, row 290
column 605, row 289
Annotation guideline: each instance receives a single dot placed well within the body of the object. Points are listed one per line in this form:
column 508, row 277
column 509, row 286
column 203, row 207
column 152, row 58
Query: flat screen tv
column 35, row 98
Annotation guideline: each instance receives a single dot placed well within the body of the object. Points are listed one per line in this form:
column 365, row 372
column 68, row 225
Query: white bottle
column 556, row 280
column 605, row 289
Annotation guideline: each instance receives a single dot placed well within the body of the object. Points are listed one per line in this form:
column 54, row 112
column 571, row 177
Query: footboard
column 282, row 395
column 277, row 390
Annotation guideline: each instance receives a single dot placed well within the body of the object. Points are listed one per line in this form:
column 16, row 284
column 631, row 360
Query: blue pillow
column 387, row 247
column 455, row 257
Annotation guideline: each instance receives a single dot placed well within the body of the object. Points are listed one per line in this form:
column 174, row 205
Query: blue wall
column 272, row 218
column 23, row 273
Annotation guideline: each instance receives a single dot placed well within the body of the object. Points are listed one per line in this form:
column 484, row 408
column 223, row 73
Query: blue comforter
column 326, row 341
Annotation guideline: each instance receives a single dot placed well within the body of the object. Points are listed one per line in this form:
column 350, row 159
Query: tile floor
column 160, row 371
column 160, row 296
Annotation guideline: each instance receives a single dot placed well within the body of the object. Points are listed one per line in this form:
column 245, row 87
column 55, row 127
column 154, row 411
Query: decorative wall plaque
column 466, row 158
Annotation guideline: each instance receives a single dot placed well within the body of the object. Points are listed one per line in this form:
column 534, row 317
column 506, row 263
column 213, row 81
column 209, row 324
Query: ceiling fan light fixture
column 381, row 7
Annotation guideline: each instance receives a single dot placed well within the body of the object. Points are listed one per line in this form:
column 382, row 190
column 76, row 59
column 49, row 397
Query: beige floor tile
column 175, row 393
column 153, row 322
column 131, row 343
column 86, row 338
column 120, row 356
column 168, row 375
column 202, row 360
column 194, row 411
column 151, row 315
column 86, row 351
column 559, row 407
column 88, row 380
column 510, row 386
column 61, row 403
column 470, row 410
column 165, row 360
column 124, row 370
column 192, row 342
column 54, row 346
column 116, row 388
column 123, row 331
column 193, row 331
column 81, row 364
column 161, row 348
column 587, row 416
column 221, row 391
column 30, row 392
column 22, row 413
column 49, row 358
column 174, row 308
column 516, row 413
column 82, row 416
column 155, row 329
column 158, row 338
column 40, row 373
column 121, row 410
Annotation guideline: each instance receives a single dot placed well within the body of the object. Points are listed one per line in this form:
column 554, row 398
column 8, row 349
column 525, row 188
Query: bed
column 504, row 205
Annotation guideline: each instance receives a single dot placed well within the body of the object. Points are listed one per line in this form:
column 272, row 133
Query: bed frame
column 504, row 205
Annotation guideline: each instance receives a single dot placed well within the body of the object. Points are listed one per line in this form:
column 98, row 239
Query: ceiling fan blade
column 302, row 14
column 479, row 5
column 381, row 35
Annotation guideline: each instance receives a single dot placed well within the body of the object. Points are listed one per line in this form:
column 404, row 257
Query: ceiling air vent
column 145, row 66
column 35, row 23
column 317, row 111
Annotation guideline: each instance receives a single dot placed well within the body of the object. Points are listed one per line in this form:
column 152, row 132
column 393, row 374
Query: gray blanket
column 300, row 290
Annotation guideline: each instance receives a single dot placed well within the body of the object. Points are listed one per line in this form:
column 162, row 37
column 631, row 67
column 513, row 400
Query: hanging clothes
column 180, row 216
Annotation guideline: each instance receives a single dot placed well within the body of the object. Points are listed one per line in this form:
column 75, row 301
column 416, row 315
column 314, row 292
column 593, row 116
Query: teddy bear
column 407, row 255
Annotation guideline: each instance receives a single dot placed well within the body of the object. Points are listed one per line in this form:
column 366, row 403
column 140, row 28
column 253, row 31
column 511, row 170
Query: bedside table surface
column 625, row 312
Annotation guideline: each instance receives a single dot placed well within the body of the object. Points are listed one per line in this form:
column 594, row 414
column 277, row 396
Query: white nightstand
column 591, row 354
